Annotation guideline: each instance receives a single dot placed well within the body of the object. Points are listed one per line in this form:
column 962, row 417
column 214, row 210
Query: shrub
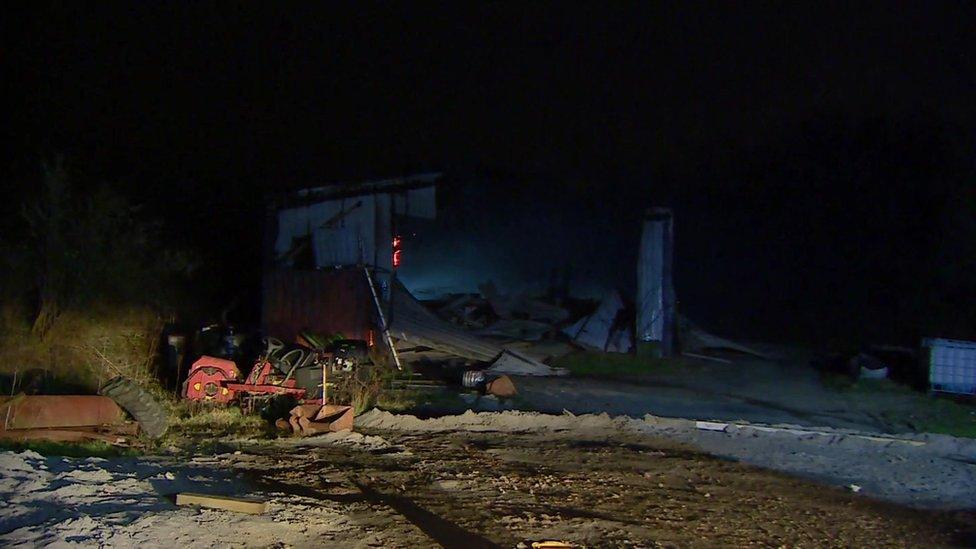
column 89, row 289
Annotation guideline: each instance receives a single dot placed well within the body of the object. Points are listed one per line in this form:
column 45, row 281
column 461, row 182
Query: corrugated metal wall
column 324, row 302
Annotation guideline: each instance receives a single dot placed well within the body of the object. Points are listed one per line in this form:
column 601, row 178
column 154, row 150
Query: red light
column 397, row 251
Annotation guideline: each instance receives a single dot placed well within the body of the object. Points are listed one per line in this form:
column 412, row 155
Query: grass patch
column 845, row 384
column 940, row 415
column 587, row 363
column 923, row 413
column 946, row 417
column 400, row 400
column 69, row 449
column 218, row 421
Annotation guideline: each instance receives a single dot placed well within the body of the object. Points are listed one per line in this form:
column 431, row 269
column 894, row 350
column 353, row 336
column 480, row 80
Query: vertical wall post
column 655, row 291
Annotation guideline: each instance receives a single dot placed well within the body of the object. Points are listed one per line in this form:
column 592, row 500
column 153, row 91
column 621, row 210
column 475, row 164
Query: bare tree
column 46, row 220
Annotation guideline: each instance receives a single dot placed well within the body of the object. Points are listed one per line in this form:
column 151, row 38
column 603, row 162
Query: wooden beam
column 239, row 505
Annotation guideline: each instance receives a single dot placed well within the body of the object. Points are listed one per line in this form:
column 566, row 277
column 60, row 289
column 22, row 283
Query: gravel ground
column 504, row 479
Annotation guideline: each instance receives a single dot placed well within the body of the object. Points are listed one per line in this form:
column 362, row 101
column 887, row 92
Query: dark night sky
column 744, row 117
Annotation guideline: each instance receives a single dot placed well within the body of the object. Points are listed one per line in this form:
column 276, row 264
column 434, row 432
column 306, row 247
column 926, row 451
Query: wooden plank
column 711, row 426
column 239, row 505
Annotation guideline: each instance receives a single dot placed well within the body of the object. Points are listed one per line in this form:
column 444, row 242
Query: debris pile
column 512, row 316
column 528, row 330
column 313, row 419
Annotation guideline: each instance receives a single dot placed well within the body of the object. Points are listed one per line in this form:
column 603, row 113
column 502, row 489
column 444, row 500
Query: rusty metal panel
column 47, row 411
column 323, row 302
column 58, row 435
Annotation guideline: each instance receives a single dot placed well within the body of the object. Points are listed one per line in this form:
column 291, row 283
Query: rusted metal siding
column 323, row 302
column 47, row 411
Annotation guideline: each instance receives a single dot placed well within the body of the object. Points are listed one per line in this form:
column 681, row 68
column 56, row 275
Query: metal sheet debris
column 413, row 323
column 603, row 330
column 514, row 363
column 696, row 340
column 519, row 305
column 59, row 411
column 60, row 435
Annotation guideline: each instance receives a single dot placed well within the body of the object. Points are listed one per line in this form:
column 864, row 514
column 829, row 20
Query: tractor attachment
column 296, row 370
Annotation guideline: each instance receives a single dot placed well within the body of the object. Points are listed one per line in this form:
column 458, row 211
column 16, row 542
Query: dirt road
column 463, row 489
column 451, row 488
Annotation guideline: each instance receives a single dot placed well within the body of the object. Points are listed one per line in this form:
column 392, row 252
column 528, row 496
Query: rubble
column 415, row 325
column 516, row 328
column 313, row 419
column 521, row 306
column 696, row 340
column 602, row 330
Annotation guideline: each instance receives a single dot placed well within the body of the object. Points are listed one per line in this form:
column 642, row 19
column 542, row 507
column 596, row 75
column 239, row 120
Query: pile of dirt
column 508, row 421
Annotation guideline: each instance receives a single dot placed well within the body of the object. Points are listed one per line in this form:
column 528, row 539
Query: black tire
column 150, row 414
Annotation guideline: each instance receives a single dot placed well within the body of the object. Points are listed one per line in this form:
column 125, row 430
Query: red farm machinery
column 297, row 372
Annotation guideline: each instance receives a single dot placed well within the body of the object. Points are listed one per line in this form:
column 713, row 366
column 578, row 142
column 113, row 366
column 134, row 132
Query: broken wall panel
column 352, row 218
